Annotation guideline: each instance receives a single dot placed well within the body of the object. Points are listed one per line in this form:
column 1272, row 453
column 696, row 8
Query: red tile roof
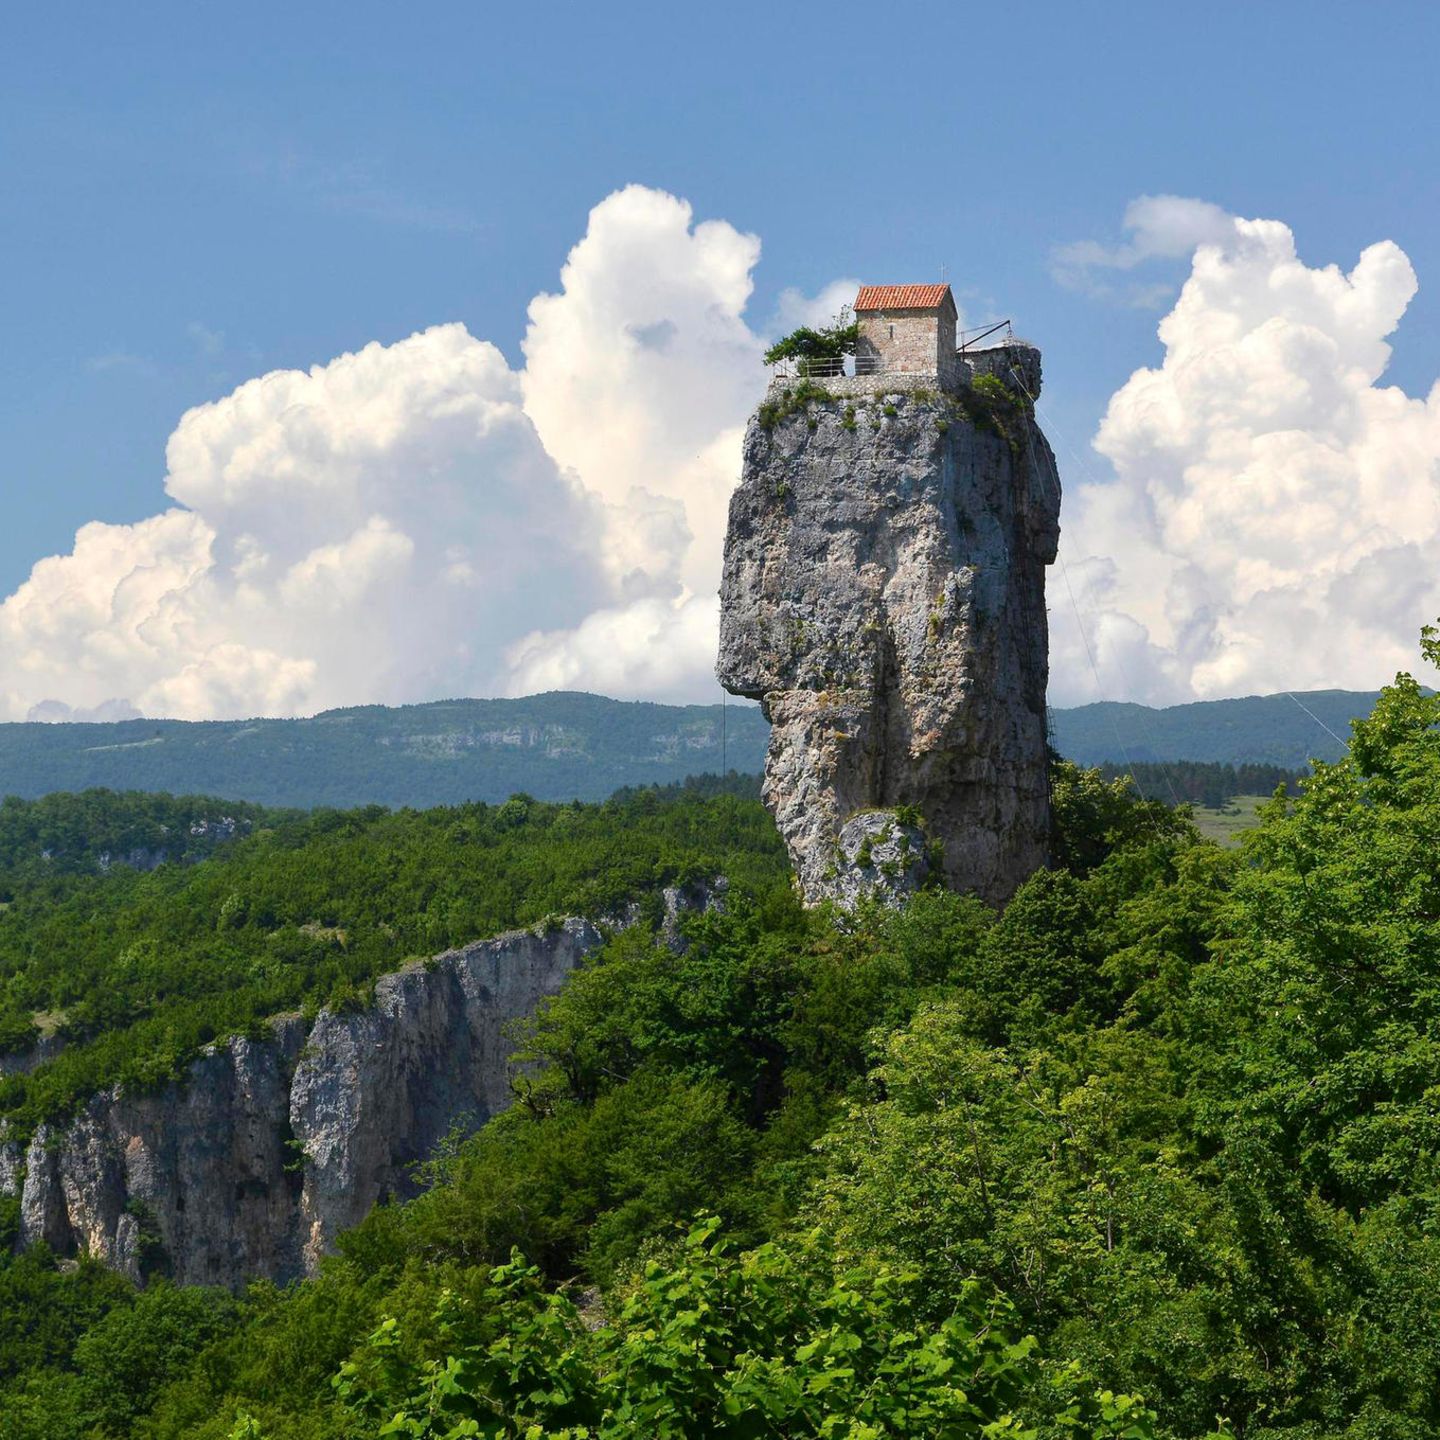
column 901, row 297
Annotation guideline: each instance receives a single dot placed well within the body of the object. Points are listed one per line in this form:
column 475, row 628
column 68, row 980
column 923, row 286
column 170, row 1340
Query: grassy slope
column 1226, row 824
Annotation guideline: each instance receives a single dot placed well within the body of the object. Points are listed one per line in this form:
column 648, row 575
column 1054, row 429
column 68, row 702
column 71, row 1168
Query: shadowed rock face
column 253, row 1163
column 884, row 599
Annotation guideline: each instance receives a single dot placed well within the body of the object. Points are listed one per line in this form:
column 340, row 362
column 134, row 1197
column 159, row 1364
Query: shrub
column 792, row 400
column 991, row 405
column 776, row 1341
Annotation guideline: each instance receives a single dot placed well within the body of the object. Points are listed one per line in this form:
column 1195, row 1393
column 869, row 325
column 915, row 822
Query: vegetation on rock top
column 793, row 400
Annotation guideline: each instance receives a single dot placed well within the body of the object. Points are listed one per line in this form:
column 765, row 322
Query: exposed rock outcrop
column 884, row 599
column 22, row 1062
column 253, row 1164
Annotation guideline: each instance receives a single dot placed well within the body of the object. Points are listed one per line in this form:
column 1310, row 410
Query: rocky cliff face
column 22, row 1062
column 884, row 599
column 254, row 1163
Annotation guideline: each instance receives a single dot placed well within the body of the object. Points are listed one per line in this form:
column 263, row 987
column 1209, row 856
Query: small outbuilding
column 905, row 329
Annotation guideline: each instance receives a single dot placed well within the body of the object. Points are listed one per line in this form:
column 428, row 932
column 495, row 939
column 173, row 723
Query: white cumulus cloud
column 639, row 375
column 1274, row 517
column 794, row 308
column 419, row 520
column 347, row 533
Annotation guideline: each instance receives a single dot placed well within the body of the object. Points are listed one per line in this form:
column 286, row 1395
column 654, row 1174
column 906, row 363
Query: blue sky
column 196, row 194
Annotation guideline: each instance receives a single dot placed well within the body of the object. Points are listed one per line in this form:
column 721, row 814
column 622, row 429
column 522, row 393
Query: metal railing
column 827, row 367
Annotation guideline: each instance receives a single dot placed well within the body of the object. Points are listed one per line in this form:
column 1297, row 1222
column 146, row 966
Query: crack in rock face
column 884, row 599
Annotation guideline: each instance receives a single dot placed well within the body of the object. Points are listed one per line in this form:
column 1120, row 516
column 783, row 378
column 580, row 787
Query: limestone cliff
column 884, row 599
column 268, row 1148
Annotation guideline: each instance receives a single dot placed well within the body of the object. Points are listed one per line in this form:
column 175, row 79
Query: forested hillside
column 1171, row 1114
column 135, row 970
column 62, row 834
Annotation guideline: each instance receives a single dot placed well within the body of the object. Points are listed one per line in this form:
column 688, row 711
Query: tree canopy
column 832, row 342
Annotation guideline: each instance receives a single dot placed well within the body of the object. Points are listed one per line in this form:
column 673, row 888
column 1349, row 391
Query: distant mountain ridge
column 1288, row 729
column 566, row 745
column 562, row 745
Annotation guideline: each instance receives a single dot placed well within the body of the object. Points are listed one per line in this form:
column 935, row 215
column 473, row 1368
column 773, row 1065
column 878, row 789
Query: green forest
column 135, row 970
column 1150, row 1153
